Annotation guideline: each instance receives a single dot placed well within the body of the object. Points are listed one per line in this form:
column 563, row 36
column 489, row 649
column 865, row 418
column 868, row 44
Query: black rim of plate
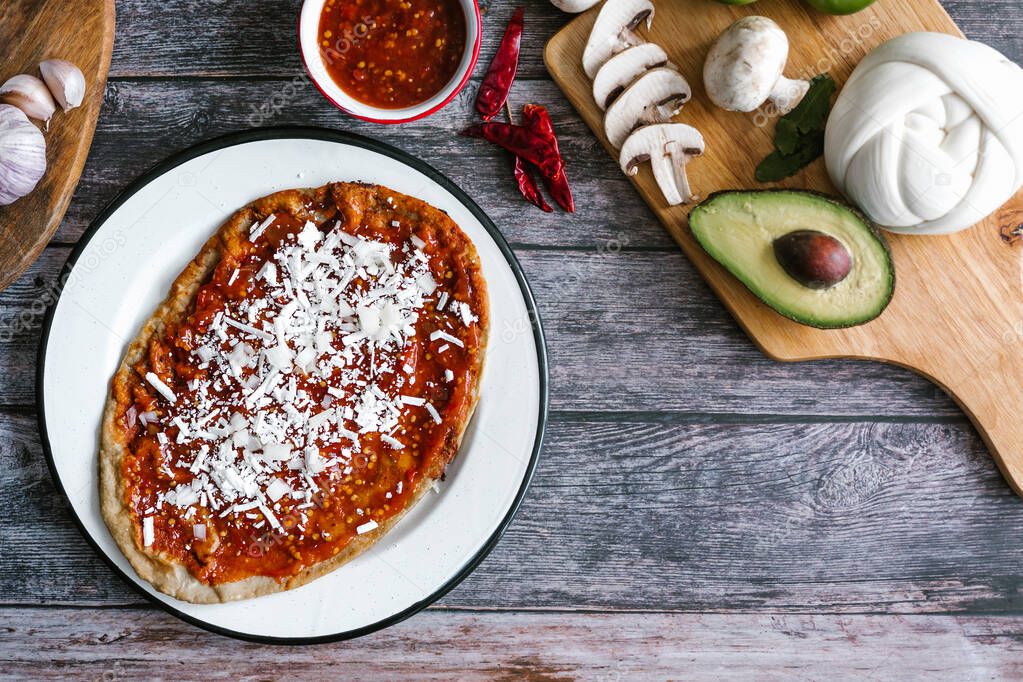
column 257, row 135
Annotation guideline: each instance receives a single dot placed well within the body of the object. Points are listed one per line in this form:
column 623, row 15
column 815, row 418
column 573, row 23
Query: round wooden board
column 83, row 33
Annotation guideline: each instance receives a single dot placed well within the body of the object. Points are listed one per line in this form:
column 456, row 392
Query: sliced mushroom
column 613, row 31
column 744, row 68
column 654, row 97
column 668, row 147
column 574, row 6
column 625, row 67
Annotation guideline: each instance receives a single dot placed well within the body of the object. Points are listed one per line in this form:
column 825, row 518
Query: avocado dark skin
column 814, row 259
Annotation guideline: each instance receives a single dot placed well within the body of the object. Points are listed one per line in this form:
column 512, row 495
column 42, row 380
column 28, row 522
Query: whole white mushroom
column 926, row 137
column 744, row 68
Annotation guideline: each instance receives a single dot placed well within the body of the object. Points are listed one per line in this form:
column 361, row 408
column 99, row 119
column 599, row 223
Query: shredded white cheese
column 257, row 230
column 441, row 334
column 148, row 533
column 161, row 387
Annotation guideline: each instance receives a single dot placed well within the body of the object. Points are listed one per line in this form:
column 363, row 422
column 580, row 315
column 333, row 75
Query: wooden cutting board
column 81, row 32
column 957, row 314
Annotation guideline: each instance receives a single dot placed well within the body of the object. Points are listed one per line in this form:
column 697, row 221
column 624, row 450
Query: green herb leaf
column 812, row 110
column 778, row 166
column 799, row 134
column 786, row 136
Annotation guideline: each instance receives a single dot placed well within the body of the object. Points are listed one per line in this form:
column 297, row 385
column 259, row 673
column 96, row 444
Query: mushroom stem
column 680, row 157
column 787, row 93
column 670, row 173
column 668, row 148
column 665, row 174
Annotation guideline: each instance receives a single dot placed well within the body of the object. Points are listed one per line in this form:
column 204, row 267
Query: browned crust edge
column 166, row 574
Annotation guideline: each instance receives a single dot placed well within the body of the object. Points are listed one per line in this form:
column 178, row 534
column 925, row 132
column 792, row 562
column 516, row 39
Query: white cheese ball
column 927, row 135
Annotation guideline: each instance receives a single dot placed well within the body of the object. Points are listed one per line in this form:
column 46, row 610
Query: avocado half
column 738, row 229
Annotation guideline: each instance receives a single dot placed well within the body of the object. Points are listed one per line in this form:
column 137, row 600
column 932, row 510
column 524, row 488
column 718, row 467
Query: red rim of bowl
column 454, row 93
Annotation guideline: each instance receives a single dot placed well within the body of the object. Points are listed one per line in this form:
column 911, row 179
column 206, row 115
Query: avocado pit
column 814, row 259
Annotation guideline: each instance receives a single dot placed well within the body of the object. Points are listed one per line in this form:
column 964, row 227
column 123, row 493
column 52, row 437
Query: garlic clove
column 22, row 154
column 29, row 94
column 65, row 81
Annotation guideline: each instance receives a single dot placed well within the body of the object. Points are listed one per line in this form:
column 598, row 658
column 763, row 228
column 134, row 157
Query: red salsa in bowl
column 392, row 54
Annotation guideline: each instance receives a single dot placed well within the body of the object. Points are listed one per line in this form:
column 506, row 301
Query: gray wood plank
column 117, row 644
column 627, row 331
column 249, row 39
column 997, row 23
column 836, row 517
column 144, row 122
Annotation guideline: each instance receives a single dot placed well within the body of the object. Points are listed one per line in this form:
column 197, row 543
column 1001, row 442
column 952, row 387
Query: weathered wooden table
column 698, row 509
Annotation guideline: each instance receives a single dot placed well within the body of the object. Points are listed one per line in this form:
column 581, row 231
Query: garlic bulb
column 65, row 81
column 29, row 94
column 22, row 154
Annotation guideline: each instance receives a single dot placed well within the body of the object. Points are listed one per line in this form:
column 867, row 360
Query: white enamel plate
column 123, row 268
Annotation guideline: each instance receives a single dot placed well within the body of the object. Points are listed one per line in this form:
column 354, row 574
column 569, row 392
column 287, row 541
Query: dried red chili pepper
column 539, row 121
column 528, row 187
column 524, row 179
column 520, row 141
column 501, row 73
column 541, row 150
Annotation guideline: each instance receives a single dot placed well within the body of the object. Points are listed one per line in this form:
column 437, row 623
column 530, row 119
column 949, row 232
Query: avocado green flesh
column 738, row 230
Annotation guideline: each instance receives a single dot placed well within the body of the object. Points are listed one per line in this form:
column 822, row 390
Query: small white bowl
column 308, row 40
